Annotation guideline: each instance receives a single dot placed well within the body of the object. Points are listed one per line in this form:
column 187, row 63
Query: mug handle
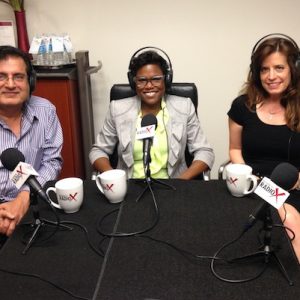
column 53, row 189
column 254, row 182
column 98, row 182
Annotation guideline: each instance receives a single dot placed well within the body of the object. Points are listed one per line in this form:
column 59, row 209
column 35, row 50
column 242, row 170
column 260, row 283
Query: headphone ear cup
column 252, row 67
column 168, row 79
column 130, row 80
column 32, row 81
column 297, row 63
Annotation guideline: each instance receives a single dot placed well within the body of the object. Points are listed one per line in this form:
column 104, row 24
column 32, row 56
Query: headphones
column 279, row 35
column 6, row 51
column 168, row 75
column 31, row 78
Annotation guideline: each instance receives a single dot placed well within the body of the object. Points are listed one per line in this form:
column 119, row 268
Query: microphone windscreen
column 10, row 158
column 148, row 120
column 285, row 175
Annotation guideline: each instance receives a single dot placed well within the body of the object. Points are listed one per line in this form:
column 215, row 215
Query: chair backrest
column 188, row 90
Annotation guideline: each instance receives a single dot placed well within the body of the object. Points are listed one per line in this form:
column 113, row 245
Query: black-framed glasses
column 141, row 82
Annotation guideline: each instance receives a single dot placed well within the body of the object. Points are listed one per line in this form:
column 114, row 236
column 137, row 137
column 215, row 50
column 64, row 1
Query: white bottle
column 41, row 56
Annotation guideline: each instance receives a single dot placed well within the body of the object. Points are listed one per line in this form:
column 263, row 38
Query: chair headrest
column 121, row 91
column 188, row 90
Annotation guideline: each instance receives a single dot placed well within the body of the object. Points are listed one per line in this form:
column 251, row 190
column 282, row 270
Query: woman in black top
column 264, row 122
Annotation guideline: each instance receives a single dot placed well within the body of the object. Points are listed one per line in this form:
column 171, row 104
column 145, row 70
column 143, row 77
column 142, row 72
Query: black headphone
column 279, row 35
column 31, row 78
column 31, row 74
column 168, row 75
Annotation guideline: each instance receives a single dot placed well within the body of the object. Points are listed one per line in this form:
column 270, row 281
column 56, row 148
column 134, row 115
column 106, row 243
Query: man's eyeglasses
column 141, row 82
column 18, row 78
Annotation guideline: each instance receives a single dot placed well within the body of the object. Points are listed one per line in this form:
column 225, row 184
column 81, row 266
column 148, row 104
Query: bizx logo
column 73, row 197
column 148, row 128
column 21, row 173
column 232, row 180
column 108, row 187
column 271, row 192
column 68, row 198
column 145, row 132
column 277, row 194
column 18, row 175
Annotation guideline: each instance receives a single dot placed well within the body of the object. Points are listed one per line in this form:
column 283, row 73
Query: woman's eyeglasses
column 141, row 82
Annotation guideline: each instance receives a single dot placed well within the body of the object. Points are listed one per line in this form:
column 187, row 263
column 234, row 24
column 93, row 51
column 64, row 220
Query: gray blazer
column 183, row 128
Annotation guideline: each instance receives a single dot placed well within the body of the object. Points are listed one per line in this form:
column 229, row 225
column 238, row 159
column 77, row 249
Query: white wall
column 209, row 43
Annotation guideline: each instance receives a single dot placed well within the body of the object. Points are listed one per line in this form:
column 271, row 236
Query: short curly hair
column 146, row 58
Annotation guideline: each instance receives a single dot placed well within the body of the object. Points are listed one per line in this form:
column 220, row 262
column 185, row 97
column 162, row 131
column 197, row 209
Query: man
column 31, row 125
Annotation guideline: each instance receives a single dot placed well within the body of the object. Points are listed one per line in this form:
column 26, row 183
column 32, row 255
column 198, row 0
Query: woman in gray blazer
column 177, row 126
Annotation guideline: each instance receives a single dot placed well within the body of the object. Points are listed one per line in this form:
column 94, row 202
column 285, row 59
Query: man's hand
column 12, row 212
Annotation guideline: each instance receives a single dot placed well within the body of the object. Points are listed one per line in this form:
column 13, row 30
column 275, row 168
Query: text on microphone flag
column 145, row 132
column 21, row 173
column 271, row 192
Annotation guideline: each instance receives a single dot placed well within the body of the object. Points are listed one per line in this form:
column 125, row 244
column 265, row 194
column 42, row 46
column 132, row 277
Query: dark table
column 198, row 218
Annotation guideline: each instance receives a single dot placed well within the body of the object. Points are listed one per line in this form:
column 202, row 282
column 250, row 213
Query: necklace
column 273, row 113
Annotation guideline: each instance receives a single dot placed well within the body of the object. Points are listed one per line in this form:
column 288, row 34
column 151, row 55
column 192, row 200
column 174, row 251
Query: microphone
column 285, row 176
column 14, row 161
column 150, row 122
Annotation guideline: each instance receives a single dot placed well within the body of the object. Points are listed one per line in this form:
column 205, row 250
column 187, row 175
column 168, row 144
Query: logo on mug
column 232, row 180
column 108, row 187
column 68, row 198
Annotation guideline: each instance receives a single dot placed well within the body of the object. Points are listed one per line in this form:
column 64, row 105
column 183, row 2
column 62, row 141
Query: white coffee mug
column 239, row 179
column 69, row 194
column 113, row 184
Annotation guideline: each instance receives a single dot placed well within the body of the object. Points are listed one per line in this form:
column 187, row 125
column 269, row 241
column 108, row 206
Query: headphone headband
column 168, row 75
column 279, row 35
column 135, row 54
column 254, row 65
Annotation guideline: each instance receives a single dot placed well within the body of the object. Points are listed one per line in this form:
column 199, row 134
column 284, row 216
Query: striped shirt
column 40, row 141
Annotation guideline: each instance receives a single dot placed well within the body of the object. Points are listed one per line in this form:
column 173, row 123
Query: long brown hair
column 290, row 99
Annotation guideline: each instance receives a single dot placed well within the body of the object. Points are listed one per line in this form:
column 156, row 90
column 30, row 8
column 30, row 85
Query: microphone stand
column 149, row 180
column 267, row 250
column 38, row 223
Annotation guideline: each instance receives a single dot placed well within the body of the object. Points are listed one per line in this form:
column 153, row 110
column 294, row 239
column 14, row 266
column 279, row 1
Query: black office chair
column 221, row 170
column 188, row 90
